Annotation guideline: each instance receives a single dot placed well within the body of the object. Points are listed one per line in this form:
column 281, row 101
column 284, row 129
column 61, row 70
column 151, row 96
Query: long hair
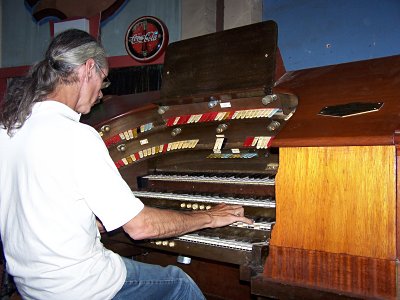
column 67, row 51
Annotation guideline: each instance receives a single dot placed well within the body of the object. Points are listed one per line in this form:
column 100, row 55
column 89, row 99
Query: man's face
column 91, row 90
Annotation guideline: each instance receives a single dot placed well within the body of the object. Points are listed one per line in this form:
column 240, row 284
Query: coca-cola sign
column 146, row 39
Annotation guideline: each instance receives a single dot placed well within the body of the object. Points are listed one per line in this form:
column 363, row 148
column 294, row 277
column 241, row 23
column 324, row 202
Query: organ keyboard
column 262, row 203
column 322, row 190
column 210, row 179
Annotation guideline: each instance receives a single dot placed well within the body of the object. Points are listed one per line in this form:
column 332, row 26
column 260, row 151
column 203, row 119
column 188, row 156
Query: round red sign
column 146, row 39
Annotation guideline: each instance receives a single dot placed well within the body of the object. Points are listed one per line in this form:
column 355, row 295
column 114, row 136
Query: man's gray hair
column 67, row 51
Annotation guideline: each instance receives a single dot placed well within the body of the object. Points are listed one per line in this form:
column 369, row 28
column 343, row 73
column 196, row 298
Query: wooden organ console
column 314, row 168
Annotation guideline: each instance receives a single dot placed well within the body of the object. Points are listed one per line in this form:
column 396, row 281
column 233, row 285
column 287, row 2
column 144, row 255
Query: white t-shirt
column 55, row 176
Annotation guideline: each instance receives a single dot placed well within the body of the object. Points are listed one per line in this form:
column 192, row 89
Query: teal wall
column 311, row 32
column 314, row 33
column 24, row 41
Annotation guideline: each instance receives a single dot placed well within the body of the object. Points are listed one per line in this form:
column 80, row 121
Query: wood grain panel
column 337, row 199
column 368, row 278
column 240, row 59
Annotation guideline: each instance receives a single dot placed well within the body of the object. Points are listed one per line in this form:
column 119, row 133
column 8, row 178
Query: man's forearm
column 160, row 223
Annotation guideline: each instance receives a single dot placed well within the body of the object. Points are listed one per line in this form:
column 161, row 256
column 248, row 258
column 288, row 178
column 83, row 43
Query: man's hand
column 223, row 214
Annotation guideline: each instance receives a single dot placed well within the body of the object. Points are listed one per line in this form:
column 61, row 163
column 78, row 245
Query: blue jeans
column 146, row 282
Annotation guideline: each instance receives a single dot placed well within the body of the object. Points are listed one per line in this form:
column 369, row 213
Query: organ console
column 229, row 125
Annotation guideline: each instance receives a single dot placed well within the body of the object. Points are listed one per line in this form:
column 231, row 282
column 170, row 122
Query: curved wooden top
column 376, row 80
column 119, row 106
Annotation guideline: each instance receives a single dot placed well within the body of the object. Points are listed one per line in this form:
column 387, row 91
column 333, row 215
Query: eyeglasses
column 106, row 82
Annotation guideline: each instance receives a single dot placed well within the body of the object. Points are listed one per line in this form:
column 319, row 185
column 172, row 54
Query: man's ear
column 90, row 66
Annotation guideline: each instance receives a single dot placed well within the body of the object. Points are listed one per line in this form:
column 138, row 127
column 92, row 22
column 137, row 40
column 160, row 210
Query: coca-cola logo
column 146, row 39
